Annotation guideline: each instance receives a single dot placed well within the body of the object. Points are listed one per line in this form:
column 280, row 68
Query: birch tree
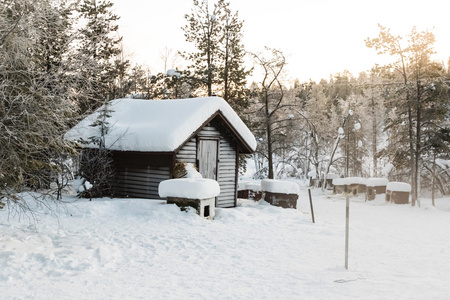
column 415, row 68
column 270, row 96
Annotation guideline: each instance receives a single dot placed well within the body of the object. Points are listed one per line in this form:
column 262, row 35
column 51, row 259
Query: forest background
column 60, row 60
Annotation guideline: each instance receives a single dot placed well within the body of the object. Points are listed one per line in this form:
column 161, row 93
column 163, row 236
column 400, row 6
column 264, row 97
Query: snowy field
column 143, row 249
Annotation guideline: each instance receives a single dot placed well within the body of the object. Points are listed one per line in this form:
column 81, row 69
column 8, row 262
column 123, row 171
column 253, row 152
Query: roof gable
column 159, row 125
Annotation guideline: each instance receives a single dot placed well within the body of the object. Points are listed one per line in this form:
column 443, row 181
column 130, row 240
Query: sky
column 318, row 37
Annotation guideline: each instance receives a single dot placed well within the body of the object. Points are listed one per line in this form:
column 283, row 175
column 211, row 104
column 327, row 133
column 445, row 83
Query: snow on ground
column 145, row 249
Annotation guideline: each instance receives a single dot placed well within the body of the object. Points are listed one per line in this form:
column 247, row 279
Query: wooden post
column 311, row 205
column 347, row 213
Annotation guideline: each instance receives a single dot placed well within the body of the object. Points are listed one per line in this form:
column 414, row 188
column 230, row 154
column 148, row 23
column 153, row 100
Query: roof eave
column 244, row 147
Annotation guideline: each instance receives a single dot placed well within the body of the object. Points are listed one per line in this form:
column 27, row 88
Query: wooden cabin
column 148, row 137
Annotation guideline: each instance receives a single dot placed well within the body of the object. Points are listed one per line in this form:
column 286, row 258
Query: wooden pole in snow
column 311, row 205
column 347, row 218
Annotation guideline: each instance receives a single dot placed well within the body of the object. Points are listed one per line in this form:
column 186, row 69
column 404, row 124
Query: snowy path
column 140, row 249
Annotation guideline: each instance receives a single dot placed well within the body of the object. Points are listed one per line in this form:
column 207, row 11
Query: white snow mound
column 398, row 186
column 376, row 181
column 190, row 188
column 279, row 186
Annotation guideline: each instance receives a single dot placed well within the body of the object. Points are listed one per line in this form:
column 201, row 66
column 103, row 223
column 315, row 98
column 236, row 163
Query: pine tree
column 96, row 163
column 217, row 63
column 204, row 30
column 102, row 63
column 232, row 74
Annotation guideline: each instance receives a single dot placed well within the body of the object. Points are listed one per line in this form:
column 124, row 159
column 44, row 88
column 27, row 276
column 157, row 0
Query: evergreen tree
column 36, row 96
column 102, row 63
column 232, row 74
column 204, row 30
column 96, row 163
column 217, row 63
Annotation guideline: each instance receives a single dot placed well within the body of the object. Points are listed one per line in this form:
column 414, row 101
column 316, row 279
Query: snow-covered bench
column 280, row 193
column 199, row 193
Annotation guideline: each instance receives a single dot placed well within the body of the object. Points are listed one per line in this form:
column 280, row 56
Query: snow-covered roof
column 159, row 125
column 377, row 181
column 331, row 176
column 338, row 181
column 348, row 181
column 398, row 187
column 253, row 185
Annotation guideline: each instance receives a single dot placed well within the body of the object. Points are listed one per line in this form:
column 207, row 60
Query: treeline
column 60, row 60
column 392, row 121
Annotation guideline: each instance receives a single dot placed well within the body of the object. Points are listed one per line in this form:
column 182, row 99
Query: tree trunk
column 347, row 156
column 269, row 137
column 432, row 179
column 269, row 148
column 412, row 153
column 209, row 61
column 225, row 71
column 336, row 143
column 374, row 138
column 418, row 145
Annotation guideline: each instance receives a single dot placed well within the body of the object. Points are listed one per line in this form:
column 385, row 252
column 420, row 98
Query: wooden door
column 207, row 156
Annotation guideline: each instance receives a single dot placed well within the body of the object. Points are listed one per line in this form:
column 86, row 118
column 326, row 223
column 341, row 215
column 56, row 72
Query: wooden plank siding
column 227, row 174
column 138, row 174
column 188, row 153
column 227, row 165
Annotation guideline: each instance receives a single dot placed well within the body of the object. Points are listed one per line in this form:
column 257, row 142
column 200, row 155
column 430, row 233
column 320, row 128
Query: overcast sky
column 318, row 37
